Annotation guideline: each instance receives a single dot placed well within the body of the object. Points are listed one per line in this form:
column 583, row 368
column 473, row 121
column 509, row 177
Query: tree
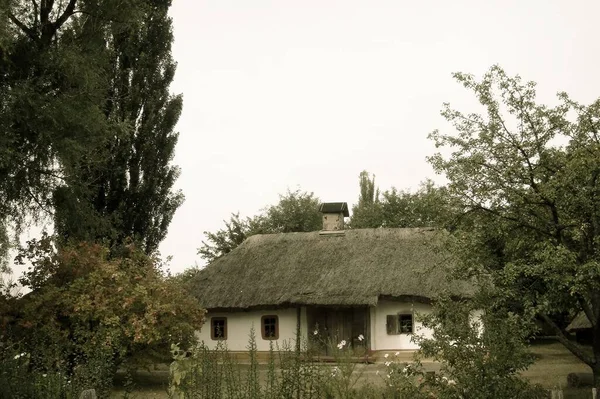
column 85, row 298
column 296, row 211
column 527, row 178
column 86, row 120
column 128, row 190
column 429, row 206
column 51, row 82
column 481, row 349
column 367, row 212
column 225, row 240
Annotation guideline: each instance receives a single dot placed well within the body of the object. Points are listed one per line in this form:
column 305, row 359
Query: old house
column 364, row 286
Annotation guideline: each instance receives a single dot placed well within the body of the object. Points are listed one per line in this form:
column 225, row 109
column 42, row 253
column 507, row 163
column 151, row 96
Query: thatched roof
column 580, row 322
column 356, row 267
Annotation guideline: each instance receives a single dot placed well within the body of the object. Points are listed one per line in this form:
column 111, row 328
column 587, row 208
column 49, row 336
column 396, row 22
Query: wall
column 380, row 340
column 240, row 323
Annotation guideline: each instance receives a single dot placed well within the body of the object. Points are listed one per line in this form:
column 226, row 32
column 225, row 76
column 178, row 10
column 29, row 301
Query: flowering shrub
column 19, row 381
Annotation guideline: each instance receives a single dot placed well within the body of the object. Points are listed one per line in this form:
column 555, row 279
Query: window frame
column 213, row 336
column 262, row 327
column 393, row 323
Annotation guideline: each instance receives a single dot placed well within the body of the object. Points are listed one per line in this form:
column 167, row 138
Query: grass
column 553, row 364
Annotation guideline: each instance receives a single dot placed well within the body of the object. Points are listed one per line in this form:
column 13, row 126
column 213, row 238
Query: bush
column 289, row 374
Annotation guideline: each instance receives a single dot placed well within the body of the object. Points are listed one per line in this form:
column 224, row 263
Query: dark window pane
column 269, row 327
column 218, row 328
column 405, row 323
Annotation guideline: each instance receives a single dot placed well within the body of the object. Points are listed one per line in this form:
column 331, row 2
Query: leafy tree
column 482, row 350
column 51, row 82
column 368, row 211
column 128, row 190
column 86, row 117
column 430, row 206
column 527, row 176
column 225, row 240
column 296, row 211
column 83, row 300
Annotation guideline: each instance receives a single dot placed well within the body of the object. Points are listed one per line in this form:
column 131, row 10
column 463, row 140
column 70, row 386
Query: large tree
column 296, row 211
column 128, row 191
column 527, row 176
column 87, row 119
column 52, row 60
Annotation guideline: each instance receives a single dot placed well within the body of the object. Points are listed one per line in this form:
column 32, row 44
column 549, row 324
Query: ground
column 550, row 370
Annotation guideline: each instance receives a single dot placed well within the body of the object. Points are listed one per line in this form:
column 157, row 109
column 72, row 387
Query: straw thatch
column 580, row 322
column 354, row 268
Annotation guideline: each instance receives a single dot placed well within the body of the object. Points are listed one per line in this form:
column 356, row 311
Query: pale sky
column 286, row 94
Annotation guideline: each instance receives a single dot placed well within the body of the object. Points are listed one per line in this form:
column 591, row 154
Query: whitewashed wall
column 240, row 323
column 380, row 340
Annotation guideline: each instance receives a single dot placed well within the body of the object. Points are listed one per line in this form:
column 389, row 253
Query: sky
column 306, row 94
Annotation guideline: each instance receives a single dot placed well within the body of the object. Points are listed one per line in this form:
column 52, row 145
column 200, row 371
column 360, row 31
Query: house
column 582, row 328
column 364, row 286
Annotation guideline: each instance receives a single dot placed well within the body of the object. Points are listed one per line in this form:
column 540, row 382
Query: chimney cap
column 334, row 207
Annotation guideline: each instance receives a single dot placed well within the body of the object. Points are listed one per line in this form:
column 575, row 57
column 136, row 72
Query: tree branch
column 70, row 10
column 28, row 31
column 585, row 306
column 572, row 346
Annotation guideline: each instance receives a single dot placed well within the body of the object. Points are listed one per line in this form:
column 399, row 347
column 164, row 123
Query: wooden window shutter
column 392, row 324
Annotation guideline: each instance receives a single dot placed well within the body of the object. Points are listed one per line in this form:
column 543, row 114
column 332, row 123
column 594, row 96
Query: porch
column 329, row 326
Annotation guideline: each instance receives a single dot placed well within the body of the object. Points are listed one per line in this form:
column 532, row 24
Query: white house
column 364, row 286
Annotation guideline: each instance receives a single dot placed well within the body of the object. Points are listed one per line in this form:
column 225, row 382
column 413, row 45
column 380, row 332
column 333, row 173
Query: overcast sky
column 285, row 94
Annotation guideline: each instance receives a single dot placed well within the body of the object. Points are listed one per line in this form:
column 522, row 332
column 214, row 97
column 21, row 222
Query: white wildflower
column 386, row 355
column 315, row 332
column 335, row 371
column 377, row 372
column 387, row 364
column 19, row 355
column 44, row 375
column 361, row 337
column 342, row 344
column 397, row 354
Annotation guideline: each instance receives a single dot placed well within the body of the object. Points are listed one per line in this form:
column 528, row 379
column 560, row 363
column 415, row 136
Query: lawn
column 550, row 370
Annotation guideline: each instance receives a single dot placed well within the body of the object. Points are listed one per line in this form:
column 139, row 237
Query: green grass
column 550, row 370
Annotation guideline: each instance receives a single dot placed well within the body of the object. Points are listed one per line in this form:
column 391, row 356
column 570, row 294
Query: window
column 400, row 324
column 270, row 327
column 218, row 328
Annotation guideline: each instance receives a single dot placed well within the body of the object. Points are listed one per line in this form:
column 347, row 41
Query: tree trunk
column 596, row 372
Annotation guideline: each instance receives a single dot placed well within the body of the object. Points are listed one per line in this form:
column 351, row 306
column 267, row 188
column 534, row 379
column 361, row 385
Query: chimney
column 333, row 216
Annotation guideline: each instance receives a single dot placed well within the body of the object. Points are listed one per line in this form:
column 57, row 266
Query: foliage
column 19, row 382
column 48, row 75
column 225, row 240
column 296, row 211
column 482, row 350
column 527, row 176
column 88, row 305
column 291, row 372
column 127, row 191
column 86, row 118
column 20, row 378
column 429, row 206
column 368, row 211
